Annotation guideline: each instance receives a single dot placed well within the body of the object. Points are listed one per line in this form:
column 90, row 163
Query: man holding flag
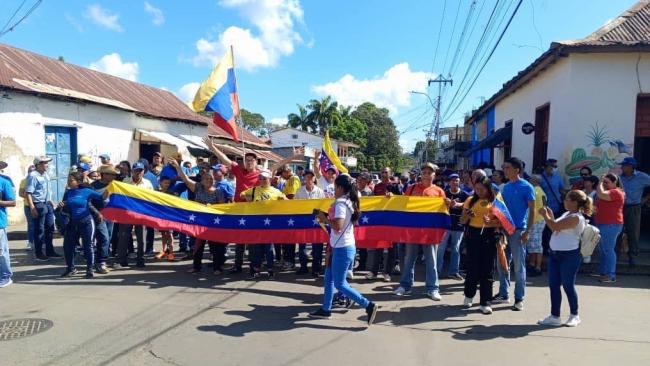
column 329, row 166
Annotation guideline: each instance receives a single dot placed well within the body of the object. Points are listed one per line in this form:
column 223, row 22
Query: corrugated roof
column 33, row 73
column 628, row 32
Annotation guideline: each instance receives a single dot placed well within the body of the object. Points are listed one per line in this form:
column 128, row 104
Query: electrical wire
column 451, row 39
column 435, row 53
column 13, row 16
column 28, row 13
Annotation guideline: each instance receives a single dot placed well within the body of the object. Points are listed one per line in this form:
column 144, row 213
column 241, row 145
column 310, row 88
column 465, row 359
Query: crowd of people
column 549, row 219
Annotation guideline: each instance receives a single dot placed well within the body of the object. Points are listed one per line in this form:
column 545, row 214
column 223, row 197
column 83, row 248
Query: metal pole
column 435, row 127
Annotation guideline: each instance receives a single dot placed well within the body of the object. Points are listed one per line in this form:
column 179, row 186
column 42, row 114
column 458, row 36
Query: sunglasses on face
column 584, row 174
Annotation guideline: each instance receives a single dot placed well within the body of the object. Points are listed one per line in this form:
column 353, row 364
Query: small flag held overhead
column 218, row 94
column 328, row 158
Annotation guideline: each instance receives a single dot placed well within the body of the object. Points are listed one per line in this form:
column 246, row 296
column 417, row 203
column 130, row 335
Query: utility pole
column 435, row 126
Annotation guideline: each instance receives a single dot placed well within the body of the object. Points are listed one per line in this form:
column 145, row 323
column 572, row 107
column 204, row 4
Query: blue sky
column 289, row 51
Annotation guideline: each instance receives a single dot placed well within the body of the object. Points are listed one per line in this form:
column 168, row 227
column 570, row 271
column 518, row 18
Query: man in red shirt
column 246, row 178
column 428, row 189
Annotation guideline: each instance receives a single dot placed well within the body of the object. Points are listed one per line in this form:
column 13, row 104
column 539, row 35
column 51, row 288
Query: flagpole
column 239, row 119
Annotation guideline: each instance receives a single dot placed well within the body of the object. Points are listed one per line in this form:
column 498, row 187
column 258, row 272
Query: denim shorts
column 534, row 245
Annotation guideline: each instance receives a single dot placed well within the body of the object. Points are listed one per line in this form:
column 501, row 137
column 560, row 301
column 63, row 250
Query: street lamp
column 435, row 108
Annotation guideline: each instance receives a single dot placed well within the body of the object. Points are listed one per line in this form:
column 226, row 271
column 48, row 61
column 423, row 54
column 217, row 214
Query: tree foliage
column 419, row 152
column 251, row 121
column 382, row 147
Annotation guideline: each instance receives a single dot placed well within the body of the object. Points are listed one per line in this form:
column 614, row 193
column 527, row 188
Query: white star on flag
column 192, row 217
column 315, row 222
column 365, row 219
column 242, row 222
column 217, row 221
column 290, row 222
column 267, row 222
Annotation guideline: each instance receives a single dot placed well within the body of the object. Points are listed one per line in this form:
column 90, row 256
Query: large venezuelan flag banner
column 384, row 220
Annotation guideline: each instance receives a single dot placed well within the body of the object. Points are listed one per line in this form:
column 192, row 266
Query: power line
column 30, row 11
column 488, row 58
column 13, row 16
column 435, row 53
column 462, row 36
column 471, row 32
column 451, row 39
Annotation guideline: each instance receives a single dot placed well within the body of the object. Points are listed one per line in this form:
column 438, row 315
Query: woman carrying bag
column 342, row 216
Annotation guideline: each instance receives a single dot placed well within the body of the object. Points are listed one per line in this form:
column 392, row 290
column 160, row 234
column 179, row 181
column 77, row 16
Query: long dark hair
column 487, row 183
column 345, row 182
column 79, row 177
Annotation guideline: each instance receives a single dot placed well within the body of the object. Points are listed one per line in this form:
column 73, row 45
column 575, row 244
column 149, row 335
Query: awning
column 182, row 145
column 492, row 140
column 237, row 151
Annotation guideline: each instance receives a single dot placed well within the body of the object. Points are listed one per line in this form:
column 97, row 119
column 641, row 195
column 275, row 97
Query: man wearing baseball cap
column 105, row 159
column 39, row 198
column 634, row 182
column 219, row 172
column 104, row 228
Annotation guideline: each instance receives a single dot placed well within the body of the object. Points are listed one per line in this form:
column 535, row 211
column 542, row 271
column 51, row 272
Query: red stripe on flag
column 229, row 126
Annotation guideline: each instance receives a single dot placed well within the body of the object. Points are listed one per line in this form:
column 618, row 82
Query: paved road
column 163, row 316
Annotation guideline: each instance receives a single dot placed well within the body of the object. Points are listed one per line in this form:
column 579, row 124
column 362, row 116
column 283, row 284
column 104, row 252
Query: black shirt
column 455, row 213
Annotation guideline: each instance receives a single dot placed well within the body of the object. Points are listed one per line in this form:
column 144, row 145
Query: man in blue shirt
column 553, row 185
column 39, row 198
column 519, row 197
column 219, row 172
column 634, row 182
column 7, row 199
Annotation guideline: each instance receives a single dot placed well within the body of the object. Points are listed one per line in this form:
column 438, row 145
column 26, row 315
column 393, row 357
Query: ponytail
column 345, row 182
column 585, row 204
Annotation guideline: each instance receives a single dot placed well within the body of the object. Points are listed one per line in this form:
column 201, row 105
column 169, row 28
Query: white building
column 583, row 102
column 283, row 140
column 49, row 107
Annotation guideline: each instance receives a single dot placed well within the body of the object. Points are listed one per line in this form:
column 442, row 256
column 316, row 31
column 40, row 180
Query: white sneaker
column 586, row 259
column 468, row 302
column 573, row 321
column 28, row 247
column 401, row 291
column 486, row 310
column 551, row 321
column 386, row 277
column 518, row 306
column 370, row 276
column 350, row 275
column 6, row 283
column 434, row 295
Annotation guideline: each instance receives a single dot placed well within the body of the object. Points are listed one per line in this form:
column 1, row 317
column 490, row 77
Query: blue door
column 61, row 146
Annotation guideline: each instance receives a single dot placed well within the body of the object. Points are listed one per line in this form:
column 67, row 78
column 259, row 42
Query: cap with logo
column 138, row 166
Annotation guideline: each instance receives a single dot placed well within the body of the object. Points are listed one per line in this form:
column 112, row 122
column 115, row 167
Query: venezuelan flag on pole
column 399, row 219
column 501, row 212
column 218, row 94
column 329, row 158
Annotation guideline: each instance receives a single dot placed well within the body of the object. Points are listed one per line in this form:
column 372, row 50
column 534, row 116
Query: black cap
column 308, row 171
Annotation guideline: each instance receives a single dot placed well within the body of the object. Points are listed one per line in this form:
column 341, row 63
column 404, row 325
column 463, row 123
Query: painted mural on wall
column 601, row 153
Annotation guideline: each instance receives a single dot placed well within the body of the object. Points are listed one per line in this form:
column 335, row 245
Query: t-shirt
column 552, row 186
column 260, row 193
column 516, row 195
column 327, row 187
column 418, row 189
column 381, row 188
column 342, row 209
column 304, row 194
column 22, row 186
column 153, row 179
column 291, row 185
column 365, row 192
column 77, row 201
column 610, row 212
column 455, row 213
column 202, row 195
column 6, row 194
column 38, row 185
column 244, row 180
column 568, row 239
column 539, row 203
column 168, row 171
column 143, row 183
column 480, row 208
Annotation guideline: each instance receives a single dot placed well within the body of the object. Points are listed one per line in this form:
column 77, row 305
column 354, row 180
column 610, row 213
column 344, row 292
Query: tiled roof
column 33, row 73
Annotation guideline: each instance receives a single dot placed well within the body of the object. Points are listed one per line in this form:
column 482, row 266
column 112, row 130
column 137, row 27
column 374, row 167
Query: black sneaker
column 55, row 255
column 347, row 303
column 371, row 311
column 302, row 271
column 69, row 272
column 254, row 276
column 139, row 263
column 320, row 314
column 89, row 274
column 235, row 270
column 271, row 275
column 40, row 258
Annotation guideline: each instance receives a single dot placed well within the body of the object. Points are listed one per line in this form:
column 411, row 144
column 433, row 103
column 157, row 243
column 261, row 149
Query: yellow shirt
column 22, row 186
column 262, row 194
column 291, row 186
column 539, row 203
column 480, row 208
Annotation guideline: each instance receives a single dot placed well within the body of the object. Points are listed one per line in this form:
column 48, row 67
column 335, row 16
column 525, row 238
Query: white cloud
column 278, row 121
column 104, row 17
column 390, row 90
column 158, row 18
column 112, row 64
column 272, row 37
column 187, row 92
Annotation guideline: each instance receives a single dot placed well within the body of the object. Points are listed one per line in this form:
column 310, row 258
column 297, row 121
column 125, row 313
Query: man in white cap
column 39, row 198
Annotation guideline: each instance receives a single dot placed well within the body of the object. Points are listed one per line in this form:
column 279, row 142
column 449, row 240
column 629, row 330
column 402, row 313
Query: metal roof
column 29, row 72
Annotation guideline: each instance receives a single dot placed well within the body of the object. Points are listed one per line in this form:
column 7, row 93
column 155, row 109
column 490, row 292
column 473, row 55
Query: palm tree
column 301, row 120
column 324, row 113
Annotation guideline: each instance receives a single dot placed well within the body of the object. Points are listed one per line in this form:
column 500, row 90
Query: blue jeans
column 335, row 273
column 608, row 235
column 261, row 251
column 30, row 225
column 183, row 242
column 453, row 239
column 5, row 262
column 317, row 254
column 103, row 232
column 408, row 269
column 43, row 229
column 80, row 228
column 562, row 270
column 515, row 251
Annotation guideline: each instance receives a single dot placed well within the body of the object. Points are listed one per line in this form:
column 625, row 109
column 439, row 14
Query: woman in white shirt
column 564, row 256
column 343, row 215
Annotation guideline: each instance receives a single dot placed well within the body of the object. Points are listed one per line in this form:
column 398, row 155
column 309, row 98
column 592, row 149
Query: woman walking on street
column 343, row 215
column 609, row 220
column 564, row 256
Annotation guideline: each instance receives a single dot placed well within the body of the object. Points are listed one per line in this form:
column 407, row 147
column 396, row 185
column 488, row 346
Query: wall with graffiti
column 598, row 150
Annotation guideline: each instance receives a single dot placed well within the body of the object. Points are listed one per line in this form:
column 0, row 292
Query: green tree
column 350, row 130
column 251, row 121
column 382, row 146
column 419, row 151
column 323, row 113
column 300, row 120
